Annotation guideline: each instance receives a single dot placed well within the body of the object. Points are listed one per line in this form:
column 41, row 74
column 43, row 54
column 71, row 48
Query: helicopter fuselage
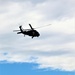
column 30, row 32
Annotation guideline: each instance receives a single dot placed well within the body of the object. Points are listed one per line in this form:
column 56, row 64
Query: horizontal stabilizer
column 19, row 32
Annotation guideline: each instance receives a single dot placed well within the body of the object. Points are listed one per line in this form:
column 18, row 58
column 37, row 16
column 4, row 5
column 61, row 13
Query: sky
column 53, row 53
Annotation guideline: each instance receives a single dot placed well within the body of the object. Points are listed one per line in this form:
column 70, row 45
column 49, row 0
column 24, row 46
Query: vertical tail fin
column 21, row 28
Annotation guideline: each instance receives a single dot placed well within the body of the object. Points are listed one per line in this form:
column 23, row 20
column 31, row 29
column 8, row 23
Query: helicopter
column 30, row 32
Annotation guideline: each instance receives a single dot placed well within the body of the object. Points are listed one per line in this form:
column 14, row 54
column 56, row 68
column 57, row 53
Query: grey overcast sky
column 54, row 48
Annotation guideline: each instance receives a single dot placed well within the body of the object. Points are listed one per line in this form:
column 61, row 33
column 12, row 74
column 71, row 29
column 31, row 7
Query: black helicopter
column 30, row 32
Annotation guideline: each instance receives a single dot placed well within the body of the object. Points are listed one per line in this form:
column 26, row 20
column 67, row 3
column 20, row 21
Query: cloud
column 57, row 9
column 33, row 1
column 54, row 48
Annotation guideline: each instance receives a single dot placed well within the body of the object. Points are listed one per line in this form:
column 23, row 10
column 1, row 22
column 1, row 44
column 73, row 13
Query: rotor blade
column 19, row 30
column 26, row 29
column 31, row 26
column 15, row 30
column 42, row 26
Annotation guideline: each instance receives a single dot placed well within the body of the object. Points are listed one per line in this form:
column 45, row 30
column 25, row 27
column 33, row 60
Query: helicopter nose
column 38, row 35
